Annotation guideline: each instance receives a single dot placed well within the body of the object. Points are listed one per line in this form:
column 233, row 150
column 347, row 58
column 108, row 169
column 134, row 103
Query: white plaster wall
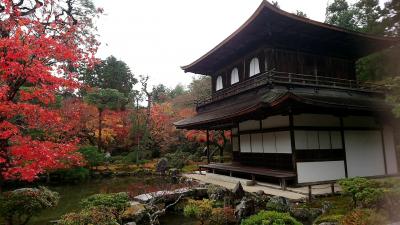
column 300, row 137
column 256, row 143
column 360, row 121
column 275, row 121
column 320, row 171
column 269, row 142
column 235, row 144
column 324, row 140
column 249, row 125
column 318, row 139
column 245, row 143
column 312, row 140
column 390, row 150
column 318, row 120
column 364, row 153
column 235, row 131
column 283, row 144
column 336, row 140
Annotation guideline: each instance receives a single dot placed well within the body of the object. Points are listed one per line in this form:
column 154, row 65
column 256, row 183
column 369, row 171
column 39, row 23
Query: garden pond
column 71, row 195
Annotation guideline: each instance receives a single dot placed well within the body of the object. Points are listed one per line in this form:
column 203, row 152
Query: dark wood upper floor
column 286, row 61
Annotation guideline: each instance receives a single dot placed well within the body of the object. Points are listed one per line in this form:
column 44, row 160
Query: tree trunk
column 99, row 145
column 148, row 110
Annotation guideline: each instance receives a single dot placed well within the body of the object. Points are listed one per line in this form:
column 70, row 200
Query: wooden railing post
column 309, row 193
column 208, row 147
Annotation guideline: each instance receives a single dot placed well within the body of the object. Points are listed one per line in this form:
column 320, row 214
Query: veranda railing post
column 208, row 146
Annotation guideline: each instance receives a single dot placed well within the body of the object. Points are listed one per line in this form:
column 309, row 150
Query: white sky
column 156, row 37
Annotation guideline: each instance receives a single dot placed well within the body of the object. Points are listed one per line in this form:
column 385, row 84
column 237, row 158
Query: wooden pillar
column 221, row 155
column 208, row 146
column 292, row 139
column 343, row 146
column 383, row 150
column 309, row 193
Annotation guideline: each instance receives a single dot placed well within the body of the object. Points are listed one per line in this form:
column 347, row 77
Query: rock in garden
column 245, row 208
column 135, row 212
column 260, row 192
column 174, row 172
column 162, row 166
column 238, row 191
column 216, row 192
column 260, row 199
column 326, row 206
column 199, row 192
column 279, row 204
column 305, row 215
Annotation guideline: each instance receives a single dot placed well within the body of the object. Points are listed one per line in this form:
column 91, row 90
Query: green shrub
column 18, row 206
column 72, row 175
column 95, row 215
column 364, row 192
column 116, row 201
column 178, row 159
column 117, row 159
column 270, row 218
column 196, row 156
column 131, row 157
column 199, row 209
column 92, row 156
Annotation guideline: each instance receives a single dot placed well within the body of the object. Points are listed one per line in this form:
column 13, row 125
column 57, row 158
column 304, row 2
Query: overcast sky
column 156, row 37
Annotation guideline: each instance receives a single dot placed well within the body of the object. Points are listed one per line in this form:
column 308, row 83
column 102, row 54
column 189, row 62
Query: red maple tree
column 217, row 138
column 41, row 43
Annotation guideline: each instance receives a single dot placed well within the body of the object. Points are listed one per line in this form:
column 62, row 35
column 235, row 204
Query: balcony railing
column 286, row 79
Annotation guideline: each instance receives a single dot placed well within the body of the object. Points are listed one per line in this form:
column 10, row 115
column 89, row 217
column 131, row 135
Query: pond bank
column 71, row 195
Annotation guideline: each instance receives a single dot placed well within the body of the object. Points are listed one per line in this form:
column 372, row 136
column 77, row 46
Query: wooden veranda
column 281, row 175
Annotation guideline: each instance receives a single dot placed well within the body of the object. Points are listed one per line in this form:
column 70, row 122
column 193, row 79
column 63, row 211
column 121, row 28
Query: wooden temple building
column 286, row 87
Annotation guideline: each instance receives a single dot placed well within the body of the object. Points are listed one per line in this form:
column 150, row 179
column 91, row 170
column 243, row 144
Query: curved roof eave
column 266, row 5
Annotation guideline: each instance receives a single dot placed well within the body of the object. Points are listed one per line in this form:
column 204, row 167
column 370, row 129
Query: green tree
column 177, row 91
column 92, row 156
column 17, row 207
column 110, row 73
column 105, row 99
column 160, row 93
column 391, row 18
column 339, row 13
column 368, row 17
